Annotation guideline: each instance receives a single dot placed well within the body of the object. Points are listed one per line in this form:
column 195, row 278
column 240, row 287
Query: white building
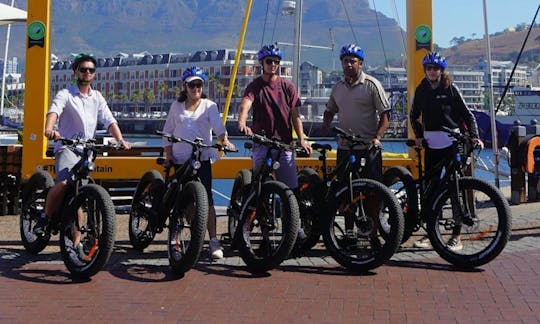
column 131, row 77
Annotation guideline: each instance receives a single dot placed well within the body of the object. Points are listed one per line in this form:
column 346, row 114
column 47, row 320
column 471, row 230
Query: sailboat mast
column 494, row 144
column 5, row 65
column 297, row 43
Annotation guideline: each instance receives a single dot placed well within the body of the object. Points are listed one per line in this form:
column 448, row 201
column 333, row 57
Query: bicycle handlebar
column 196, row 143
column 354, row 139
column 270, row 142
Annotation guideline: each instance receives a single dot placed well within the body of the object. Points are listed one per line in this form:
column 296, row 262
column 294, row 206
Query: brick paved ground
column 415, row 286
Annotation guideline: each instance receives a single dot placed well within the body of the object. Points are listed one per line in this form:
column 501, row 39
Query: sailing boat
column 8, row 15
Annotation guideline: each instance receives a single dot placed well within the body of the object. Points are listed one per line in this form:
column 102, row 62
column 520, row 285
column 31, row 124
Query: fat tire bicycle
column 86, row 208
column 343, row 194
column 263, row 213
column 179, row 202
column 470, row 207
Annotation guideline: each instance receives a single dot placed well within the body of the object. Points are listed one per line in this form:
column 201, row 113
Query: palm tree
column 212, row 80
column 220, row 89
column 149, row 99
column 136, row 97
column 237, row 91
column 162, row 89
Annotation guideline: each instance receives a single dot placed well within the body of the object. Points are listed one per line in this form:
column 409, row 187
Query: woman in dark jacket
column 439, row 103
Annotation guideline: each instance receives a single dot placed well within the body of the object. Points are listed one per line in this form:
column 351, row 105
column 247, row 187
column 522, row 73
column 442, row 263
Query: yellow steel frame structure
column 37, row 100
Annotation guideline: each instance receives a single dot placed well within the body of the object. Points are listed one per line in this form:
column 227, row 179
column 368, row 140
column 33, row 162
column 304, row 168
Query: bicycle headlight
column 276, row 165
column 91, row 166
column 363, row 162
column 196, row 165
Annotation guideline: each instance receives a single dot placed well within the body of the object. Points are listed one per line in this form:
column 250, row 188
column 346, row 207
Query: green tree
column 136, row 97
column 162, row 90
column 149, row 98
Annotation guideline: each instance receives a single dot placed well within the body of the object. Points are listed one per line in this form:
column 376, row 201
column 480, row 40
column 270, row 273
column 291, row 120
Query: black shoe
column 42, row 227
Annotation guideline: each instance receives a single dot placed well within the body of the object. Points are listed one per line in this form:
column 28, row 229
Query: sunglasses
column 432, row 68
column 85, row 70
column 270, row 61
column 193, row 85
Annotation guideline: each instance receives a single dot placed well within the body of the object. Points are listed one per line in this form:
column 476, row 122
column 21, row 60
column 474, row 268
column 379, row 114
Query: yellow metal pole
column 36, row 98
column 236, row 61
column 419, row 42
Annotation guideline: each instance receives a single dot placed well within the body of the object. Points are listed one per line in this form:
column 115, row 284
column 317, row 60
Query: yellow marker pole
column 419, row 43
column 36, row 96
column 236, row 61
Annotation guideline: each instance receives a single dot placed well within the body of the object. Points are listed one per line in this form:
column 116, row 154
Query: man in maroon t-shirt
column 275, row 113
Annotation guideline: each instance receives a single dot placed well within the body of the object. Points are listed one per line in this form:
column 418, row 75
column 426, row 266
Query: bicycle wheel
column 351, row 225
column 268, row 227
column 187, row 227
column 91, row 214
column 401, row 183
column 484, row 226
column 309, row 194
column 144, row 209
column 33, row 204
column 240, row 190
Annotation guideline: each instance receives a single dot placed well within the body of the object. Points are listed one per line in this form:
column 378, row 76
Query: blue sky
column 456, row 18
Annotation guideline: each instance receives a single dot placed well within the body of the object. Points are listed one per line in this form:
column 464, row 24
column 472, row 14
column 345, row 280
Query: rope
column 265, row 19
column 401, row 31
column 517, row 60
column 349, row 21
column 275, row 23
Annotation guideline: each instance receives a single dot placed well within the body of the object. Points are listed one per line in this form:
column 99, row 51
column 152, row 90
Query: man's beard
column 83, row 82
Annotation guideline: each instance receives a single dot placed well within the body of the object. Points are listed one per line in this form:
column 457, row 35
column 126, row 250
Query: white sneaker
column 422, row 243
column 454, row 245
column 215, row 248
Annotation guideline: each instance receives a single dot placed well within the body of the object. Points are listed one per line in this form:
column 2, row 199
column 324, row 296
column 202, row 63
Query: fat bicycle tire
column 309, row 196
column 187, row 226
column 268, row 227
column 489, row 232
column 34, row 194
column 369, row 249
column 97, row 227
column 240, row 190
column 401, row 183
column 144, row 210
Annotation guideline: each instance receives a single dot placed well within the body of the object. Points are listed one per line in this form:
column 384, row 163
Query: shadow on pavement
column 16, row 265
column 430, row 266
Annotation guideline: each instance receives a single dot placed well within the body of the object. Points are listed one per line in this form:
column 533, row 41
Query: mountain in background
column 505, row 46
column 106, row 27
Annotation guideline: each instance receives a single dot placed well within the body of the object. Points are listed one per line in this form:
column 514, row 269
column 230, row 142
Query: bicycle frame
column 80, row 173
column 451, row 170
column 188, row 171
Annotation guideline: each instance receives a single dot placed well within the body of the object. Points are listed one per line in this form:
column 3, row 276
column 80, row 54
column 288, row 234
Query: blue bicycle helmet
column 434, row 58
column 269, row 50
column 193, row 73
column 351, row 49
column 82, row 57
